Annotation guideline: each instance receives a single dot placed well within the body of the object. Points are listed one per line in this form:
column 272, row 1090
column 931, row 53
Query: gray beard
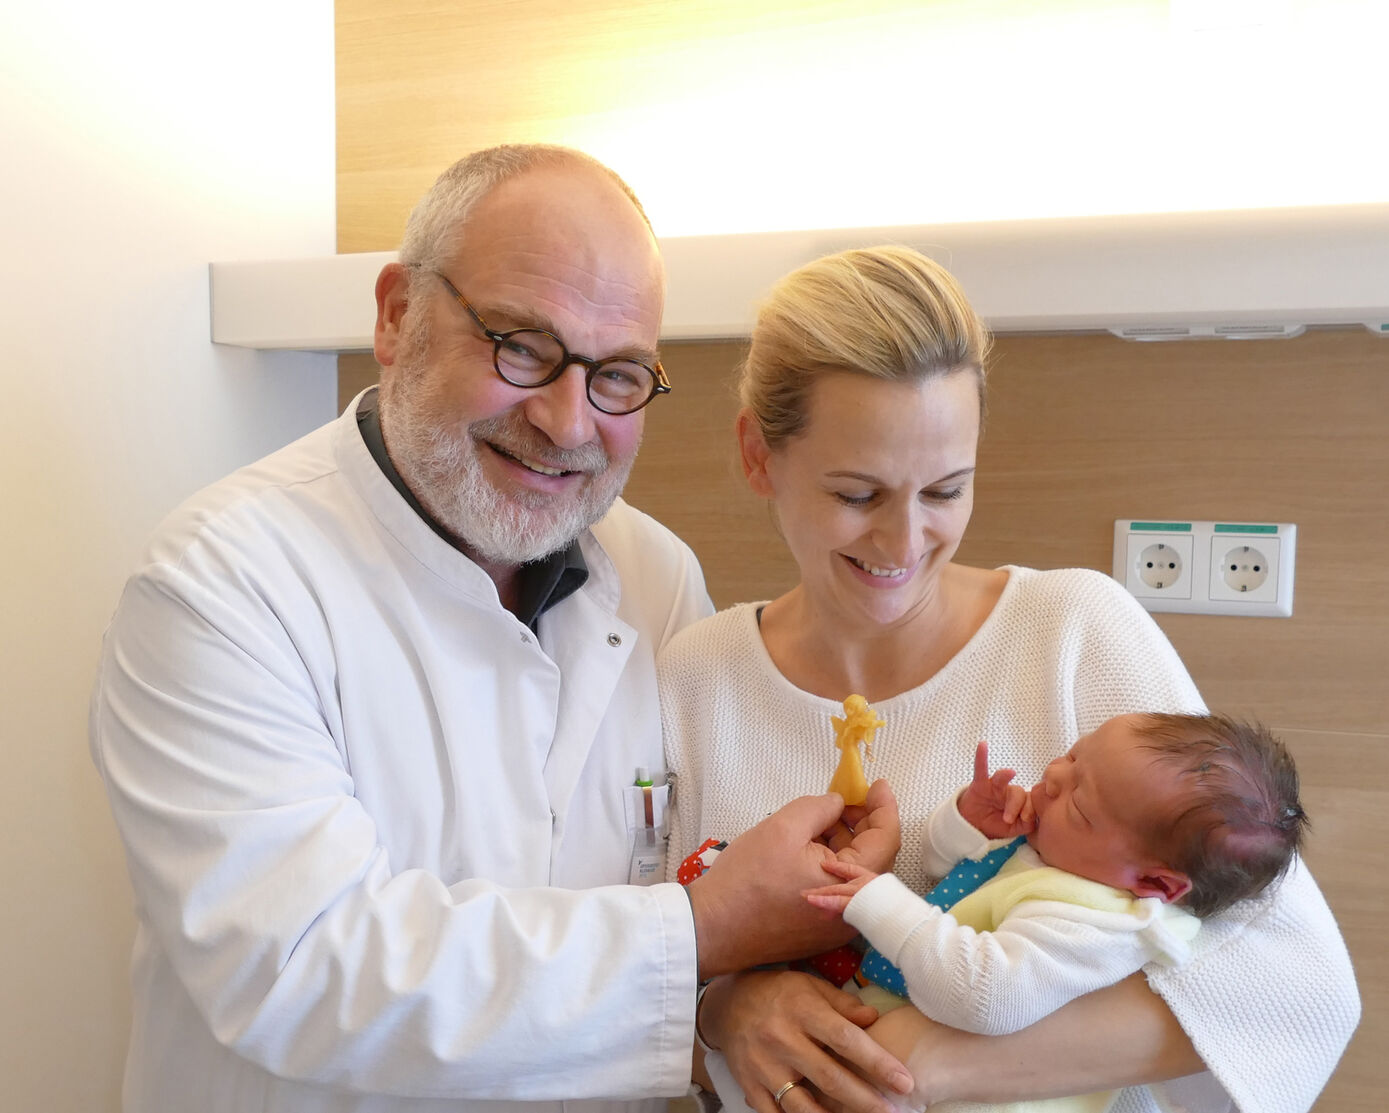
column 442, row 467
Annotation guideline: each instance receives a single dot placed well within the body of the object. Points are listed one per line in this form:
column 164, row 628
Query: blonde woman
column 863, row 396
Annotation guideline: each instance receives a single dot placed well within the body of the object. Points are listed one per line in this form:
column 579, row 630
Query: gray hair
column 439, row 214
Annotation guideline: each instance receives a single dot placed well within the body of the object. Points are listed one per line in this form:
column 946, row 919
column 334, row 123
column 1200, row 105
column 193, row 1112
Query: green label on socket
column 1162, row 527
column 1223, row 527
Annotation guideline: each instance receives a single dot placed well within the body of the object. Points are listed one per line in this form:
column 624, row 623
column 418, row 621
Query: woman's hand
column 926, row 1047
column 775, row 1027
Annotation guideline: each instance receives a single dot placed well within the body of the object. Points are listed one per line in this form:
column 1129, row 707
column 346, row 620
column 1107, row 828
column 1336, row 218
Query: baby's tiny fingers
column 981, row 762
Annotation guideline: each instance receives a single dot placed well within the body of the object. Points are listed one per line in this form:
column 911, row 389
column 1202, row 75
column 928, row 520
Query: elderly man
column 370, row 710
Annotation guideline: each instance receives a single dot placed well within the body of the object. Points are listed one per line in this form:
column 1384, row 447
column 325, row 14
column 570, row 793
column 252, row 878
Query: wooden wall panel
column 421, row 83
column 356, row 372
column 690, row 476
column 1345, row 789
column 1086, row 429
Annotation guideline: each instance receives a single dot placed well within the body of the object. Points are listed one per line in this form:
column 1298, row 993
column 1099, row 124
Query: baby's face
column 1090, row 802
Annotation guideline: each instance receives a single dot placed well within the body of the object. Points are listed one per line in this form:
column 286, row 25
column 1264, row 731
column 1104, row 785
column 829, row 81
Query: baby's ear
column 1158, row 881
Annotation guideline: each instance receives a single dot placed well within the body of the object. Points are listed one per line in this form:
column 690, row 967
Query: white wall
column 140, row 141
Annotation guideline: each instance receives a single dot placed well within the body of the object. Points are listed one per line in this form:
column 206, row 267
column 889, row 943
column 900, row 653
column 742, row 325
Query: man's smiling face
column 517, row 473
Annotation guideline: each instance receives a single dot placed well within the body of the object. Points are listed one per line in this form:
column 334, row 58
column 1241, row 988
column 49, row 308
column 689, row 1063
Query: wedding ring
column 785, row 1090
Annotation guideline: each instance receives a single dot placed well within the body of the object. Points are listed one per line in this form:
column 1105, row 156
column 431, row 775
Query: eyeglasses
column 532, row 357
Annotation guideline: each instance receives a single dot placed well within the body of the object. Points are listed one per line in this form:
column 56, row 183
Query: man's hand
column 749, row 910
column 994, row 805
column 774, row 1027
column 836, row 898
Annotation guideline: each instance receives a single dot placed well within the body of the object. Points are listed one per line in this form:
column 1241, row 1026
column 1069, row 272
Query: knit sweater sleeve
column 1270, row 982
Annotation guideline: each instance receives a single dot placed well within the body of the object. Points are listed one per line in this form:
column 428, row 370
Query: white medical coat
column 368, row 816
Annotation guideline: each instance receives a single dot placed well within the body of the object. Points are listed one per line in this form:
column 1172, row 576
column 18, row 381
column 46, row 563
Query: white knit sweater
column 1062, row 651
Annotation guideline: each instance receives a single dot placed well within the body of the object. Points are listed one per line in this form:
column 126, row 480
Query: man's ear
column 392, row 300
column 755, row 454
column 1158, row 881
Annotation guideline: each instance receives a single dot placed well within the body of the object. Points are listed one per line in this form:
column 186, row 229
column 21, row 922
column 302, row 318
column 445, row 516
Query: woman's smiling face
column 874, row 494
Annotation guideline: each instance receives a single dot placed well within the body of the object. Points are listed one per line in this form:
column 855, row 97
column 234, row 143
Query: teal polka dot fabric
column 966, row 876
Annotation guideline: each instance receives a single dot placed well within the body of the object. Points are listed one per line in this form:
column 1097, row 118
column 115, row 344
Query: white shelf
column 1306, row 266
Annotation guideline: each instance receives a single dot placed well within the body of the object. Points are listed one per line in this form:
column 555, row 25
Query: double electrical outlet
column 1207, row 567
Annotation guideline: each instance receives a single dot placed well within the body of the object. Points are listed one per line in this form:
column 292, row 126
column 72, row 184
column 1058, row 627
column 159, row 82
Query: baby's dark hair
column 1239, row 822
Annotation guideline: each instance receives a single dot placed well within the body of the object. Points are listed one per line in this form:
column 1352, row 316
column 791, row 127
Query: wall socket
column 1207, row 567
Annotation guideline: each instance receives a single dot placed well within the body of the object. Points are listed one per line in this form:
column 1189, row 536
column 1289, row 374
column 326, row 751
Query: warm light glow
column 923, row 113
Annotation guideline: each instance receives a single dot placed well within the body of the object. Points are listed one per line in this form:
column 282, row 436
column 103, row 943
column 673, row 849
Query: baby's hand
column 994, row 805
column 836, row 898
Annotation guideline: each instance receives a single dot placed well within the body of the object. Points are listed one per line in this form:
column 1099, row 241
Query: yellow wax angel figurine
column 859, row 724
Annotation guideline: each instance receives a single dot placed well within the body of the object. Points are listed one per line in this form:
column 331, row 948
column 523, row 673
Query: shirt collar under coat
column 541, row 584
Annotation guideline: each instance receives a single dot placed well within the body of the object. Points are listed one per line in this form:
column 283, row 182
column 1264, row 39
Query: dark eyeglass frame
column 660, row 384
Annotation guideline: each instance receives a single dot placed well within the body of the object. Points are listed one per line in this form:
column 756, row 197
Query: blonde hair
column 885, row 312
column 440, row 213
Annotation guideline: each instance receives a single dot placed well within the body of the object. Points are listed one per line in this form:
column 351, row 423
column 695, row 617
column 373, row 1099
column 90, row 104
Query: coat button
column 614, row 640
column 525, row 638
